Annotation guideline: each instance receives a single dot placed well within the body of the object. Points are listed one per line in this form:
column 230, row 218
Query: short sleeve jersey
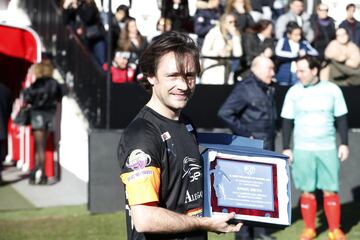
column 160, row 162
column 314, row 109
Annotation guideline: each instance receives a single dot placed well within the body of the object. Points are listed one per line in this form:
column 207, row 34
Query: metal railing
column 81, row 71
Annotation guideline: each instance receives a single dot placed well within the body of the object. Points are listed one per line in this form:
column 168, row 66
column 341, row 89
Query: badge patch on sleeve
column 138, row 160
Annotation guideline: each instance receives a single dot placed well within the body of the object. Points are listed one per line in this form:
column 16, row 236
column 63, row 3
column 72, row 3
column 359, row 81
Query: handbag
column 94, row 31
column 23, row 117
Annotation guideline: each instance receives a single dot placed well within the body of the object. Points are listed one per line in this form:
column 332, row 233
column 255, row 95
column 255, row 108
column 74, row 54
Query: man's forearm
column 153, row 219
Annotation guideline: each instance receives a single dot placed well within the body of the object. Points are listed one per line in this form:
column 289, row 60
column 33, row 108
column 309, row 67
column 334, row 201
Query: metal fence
column 81, row 71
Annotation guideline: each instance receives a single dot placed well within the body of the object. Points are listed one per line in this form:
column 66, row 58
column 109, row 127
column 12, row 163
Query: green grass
column 10, row 199
column 75, row 222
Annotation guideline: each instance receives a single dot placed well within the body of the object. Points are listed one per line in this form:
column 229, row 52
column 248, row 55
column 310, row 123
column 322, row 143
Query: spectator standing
column 132, row 41
column 324, row 29
column 121, row 72
column 257, row 42
column 162, row 200
column 178, row 12
column 5, row 111
column 288, row 50
column 313, row 106
column 84, row 18
column 249, row 111
column 221, row 41
column 207, row 15
column 344, row 57
column 119, row 20
column 297, row 14
column 42, row 97
column 351, row 24
column 241, row 10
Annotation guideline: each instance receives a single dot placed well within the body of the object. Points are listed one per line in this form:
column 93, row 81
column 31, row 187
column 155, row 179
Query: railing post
column 109, row 63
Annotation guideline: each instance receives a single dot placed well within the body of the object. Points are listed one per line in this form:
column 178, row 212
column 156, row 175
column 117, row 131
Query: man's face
column 322, row 11
column 297, row 7
column 305, row 75
column 342, row 36
column 121, row 62
column 350, row 13
column 170, row 90
column 265, row 72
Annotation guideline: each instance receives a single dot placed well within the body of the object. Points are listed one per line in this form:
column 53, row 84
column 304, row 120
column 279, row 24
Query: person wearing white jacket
column 222, row 41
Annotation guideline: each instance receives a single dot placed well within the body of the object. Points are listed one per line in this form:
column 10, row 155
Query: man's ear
column 151, row 80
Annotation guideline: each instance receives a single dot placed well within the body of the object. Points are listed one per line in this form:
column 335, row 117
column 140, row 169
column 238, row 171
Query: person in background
column 288, row 50
column 223, row 40
column 261, row 9
column 84, row 17
column 297, row 14
column 42, row 97
column 344, row 60
column 162, row 25
column 311, row 107
column 178, row 12
column 351, row 24
column 121, row 72
column 5, row 111
column 257, row 42
column 163, row 201
column 132, row 41
column 324, row 29
column 207, row 15
column 249, row 111
column 119, row 20
column 241, row 10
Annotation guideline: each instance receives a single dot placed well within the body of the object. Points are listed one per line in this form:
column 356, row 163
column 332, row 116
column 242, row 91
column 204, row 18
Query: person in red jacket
column 121, row 70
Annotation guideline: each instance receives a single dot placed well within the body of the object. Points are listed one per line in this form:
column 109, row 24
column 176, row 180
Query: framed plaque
column 252, row 182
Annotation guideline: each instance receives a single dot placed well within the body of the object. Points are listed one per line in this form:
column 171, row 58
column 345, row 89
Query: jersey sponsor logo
column 138, row 160
column 139, row 174
column 165, row 136
column 193, row 197
column 191, row 169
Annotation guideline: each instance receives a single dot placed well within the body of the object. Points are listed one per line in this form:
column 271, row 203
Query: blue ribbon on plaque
column 241, row 177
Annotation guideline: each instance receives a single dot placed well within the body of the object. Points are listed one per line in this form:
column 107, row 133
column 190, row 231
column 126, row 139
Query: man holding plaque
column 314, row 105
column 249, row 111
column 161, row 166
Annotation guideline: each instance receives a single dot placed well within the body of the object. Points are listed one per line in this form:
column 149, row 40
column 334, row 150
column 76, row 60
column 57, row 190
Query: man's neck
column 161, row 109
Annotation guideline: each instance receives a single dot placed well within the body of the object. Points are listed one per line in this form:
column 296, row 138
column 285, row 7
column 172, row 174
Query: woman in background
column 42, row 98
column 222, row 41
column 132, row 41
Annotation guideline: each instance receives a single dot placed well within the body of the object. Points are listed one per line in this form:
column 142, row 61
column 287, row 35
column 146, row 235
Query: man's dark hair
column 124, row 8
column 296, row 1
column 350, row 6
column 178, row 43
column 312, row 61
column 291, row 26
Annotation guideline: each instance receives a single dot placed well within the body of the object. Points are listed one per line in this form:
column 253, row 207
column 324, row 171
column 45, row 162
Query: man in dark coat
column 5, row 110
column 351, row 24
column 250, row 111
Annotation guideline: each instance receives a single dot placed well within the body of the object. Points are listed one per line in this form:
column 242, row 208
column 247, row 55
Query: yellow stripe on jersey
column 142, row 186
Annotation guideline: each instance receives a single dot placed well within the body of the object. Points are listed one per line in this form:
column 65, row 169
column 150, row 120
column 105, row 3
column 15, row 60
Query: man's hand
column 343, row 152
column 219, row 224
column 288, row 153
